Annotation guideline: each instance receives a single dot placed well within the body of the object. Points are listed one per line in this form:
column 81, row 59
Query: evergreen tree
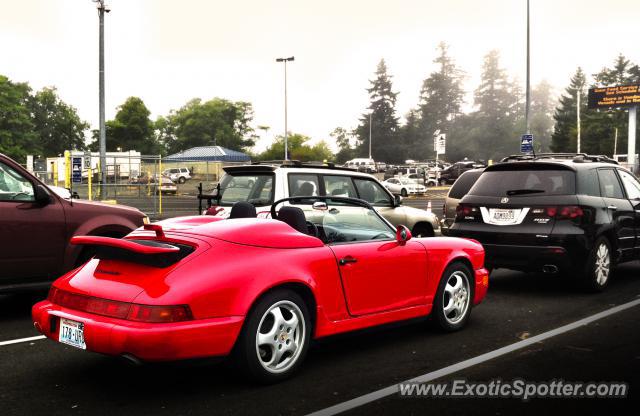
column 564, row 135
column 384, row 127
column 541, row 117
column 440, row 102
column 497, row 111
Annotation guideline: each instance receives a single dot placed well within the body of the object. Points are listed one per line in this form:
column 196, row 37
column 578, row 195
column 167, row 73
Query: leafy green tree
column 215, row 122
column 298, row 149
column 344, row 139
column 564, row 137
column 384, row 123
column 56, row 124
column 17, row 136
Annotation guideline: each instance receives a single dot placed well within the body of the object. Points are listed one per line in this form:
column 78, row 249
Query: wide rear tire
column 275, row 337
column 597, row 273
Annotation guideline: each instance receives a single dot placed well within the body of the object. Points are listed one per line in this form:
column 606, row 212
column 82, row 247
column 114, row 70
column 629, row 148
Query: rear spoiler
column 147, row 252
column 136, row 247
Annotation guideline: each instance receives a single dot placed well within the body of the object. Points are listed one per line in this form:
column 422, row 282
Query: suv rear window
column 463, row 184
column 255, row 188
column 525, row 183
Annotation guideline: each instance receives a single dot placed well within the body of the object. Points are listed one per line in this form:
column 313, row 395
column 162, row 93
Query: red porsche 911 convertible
column 258, row 289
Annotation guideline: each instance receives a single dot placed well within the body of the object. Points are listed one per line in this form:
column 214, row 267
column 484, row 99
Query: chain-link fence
column 157, row 187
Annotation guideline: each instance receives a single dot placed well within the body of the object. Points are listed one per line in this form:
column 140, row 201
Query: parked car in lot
column 335, row 267
column 177, row 175
column 165, row 185
column 362, row 165
column 36, row 224
column 570, row 213
column 271, row 182
column 453, row 172
column 404, row 186
column 459, row 189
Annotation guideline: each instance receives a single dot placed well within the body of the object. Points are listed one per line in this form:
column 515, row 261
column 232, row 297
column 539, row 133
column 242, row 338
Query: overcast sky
column 169, row 51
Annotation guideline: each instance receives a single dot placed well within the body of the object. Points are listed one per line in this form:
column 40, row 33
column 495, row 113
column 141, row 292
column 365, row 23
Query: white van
column 362, row 165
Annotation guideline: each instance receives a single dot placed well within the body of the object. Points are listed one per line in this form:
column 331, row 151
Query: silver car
column 271, row 182
column 404, row 186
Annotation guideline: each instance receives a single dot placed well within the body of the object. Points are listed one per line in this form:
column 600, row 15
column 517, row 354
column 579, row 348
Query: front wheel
column 452, row 303
column 181, row 179
column 598, row 269
column 443, row 182
column 275, row 338
column 403, row 192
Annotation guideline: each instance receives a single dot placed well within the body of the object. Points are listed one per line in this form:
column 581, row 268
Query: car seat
column 242, row 209
column 294, row 217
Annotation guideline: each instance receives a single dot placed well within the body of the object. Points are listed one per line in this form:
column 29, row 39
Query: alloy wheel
column 280, row 336
column 455, row 301
column 602, row 264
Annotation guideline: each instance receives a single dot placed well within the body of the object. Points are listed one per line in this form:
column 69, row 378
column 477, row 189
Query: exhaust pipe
column 549, row 269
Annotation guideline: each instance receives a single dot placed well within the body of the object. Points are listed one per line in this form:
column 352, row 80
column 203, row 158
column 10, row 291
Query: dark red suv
column 36, row 225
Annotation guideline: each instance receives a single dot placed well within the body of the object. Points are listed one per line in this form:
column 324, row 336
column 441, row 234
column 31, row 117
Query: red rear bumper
column 482, row 284
column 148, row 342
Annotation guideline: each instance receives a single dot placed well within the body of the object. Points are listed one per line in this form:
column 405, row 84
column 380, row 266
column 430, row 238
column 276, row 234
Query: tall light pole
column 102, row 9
column 370, row 125
column 578, row 94
column 528, row 98
column 286, row 129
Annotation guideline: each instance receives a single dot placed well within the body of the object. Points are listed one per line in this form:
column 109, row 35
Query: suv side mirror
column 402, row 234
column 397, row 200
column 42, row 196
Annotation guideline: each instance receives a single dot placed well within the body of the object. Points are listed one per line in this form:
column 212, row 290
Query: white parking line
column 388, row 391
column 17, row 341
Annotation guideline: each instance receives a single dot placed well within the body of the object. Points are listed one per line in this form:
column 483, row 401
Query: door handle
column 612, row 207
column 345, row 260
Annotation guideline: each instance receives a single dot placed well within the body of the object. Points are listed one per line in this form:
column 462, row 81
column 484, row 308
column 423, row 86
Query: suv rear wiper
column 524, row 191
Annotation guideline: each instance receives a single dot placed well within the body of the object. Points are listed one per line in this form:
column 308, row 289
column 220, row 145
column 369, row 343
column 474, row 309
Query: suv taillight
column 465, row 211
column 567, row 212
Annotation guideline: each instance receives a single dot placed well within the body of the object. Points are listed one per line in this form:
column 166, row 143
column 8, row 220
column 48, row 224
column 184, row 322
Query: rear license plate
column 504, row 215
column 72, row 333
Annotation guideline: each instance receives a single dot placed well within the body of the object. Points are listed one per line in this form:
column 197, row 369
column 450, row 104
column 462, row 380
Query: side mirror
column 320, row 206
column 42, row 196
column 397, row 200
column 402, row 234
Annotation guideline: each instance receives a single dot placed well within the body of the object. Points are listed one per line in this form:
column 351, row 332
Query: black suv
column 453, row 172
column 574, row 213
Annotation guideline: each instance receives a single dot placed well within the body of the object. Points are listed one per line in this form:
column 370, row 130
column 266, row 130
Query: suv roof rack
column 574, row 157
column 299, row 164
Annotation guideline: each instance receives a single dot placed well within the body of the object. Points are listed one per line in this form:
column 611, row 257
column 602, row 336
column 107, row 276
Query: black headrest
column 293, row 216
column 242, row 209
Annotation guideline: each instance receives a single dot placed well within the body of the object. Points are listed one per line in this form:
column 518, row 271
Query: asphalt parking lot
column 44, row 377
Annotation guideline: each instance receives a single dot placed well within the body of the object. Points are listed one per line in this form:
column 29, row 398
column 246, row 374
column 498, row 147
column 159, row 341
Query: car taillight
column 464, row 211
column 565, row 212
column 159, row 314
column 120, row 310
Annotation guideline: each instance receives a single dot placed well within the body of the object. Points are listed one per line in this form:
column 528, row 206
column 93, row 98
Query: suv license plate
column 503, row 215
column 72, row 333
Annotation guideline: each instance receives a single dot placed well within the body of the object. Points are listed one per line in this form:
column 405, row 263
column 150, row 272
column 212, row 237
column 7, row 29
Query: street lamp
column 102, row 9
column 370, row 127
column 285, row 60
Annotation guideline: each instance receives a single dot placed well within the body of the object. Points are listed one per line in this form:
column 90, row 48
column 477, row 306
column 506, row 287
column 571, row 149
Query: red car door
column 380, row 276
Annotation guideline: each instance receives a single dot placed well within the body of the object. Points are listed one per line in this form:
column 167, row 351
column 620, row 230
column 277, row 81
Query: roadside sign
column 76, row 170
column 87, row 160
column 526, row 143
column 440, row 143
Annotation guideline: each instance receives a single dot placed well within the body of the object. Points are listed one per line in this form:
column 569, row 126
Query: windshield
column 524, row 183
column 255, row 188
